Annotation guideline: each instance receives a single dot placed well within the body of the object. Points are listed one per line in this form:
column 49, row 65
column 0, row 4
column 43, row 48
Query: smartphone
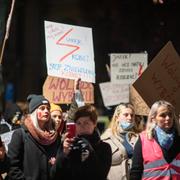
column 71, row 129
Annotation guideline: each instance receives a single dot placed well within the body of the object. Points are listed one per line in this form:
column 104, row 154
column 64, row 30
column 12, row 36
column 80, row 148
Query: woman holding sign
column 157, row 152
column 122, row 135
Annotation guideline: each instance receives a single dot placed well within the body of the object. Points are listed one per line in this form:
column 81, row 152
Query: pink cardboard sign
column 60, row 90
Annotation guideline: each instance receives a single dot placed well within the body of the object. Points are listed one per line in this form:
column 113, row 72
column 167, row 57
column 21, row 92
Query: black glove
column 75, row 153
column 85, row 148
column 80, row 149
column 84, row 145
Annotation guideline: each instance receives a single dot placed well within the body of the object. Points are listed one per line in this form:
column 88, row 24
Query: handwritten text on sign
column 126, row 68
column 114, row 94
column 69, row 51
column 161, row 80
column 60, row 91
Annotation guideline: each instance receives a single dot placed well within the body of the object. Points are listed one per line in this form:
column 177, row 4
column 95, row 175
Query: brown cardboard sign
column 60, row 90
column 161, row 79
column 141, row 108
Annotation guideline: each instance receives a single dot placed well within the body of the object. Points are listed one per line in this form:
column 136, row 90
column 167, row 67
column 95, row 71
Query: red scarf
column 46, row 137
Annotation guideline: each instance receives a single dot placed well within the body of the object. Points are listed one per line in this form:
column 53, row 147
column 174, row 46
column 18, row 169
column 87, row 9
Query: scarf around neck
column 45, row 137
column 165, row 139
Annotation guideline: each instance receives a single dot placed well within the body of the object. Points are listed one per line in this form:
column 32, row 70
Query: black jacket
column 4, row 165
column 95, row 167
column 28, row 158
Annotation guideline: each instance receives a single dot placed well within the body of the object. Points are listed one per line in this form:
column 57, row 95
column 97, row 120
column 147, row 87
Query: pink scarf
column 46, row 137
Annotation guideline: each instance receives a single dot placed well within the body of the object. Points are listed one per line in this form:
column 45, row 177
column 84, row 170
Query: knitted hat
column 55, row 107
column 35, row 101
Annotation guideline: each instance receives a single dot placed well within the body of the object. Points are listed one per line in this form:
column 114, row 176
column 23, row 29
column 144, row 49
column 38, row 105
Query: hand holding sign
column 77, row 84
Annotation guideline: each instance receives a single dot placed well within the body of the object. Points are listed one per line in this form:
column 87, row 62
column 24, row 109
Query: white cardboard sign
column 126, row 68
column 114, row 94
column 69, row 51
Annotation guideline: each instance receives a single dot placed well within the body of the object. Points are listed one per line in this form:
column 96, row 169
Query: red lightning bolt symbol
column 140, row 69
column 69, row 45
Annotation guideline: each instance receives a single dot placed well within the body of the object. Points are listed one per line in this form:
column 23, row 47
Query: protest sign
column 60, row 90
column 126, row 68
column 113, row 93
column 161, row 80
column 69, row 51
column 140, row 107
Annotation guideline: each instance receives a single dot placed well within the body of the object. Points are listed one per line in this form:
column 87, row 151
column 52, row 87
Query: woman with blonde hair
column 57, row 117
column 122, row 135
column 33, row 147
column 157, row 152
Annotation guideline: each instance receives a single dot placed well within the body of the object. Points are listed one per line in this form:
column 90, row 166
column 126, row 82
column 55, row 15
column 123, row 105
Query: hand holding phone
column 71, row 129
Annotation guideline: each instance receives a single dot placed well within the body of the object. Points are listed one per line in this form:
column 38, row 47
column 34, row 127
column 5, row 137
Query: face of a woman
column 56, row 116
column 43, row 113
column 126, row 114
column 84, row 125
column 164, row 118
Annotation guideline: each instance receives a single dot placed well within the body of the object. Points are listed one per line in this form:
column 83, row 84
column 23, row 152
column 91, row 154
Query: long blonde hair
column 114, row 126
column 152, row 114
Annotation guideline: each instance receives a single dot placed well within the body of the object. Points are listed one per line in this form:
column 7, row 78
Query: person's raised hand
column 77, row 84
column 67, row 144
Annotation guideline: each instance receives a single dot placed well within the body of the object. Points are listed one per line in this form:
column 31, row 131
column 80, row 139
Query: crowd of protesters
column 41, row 147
